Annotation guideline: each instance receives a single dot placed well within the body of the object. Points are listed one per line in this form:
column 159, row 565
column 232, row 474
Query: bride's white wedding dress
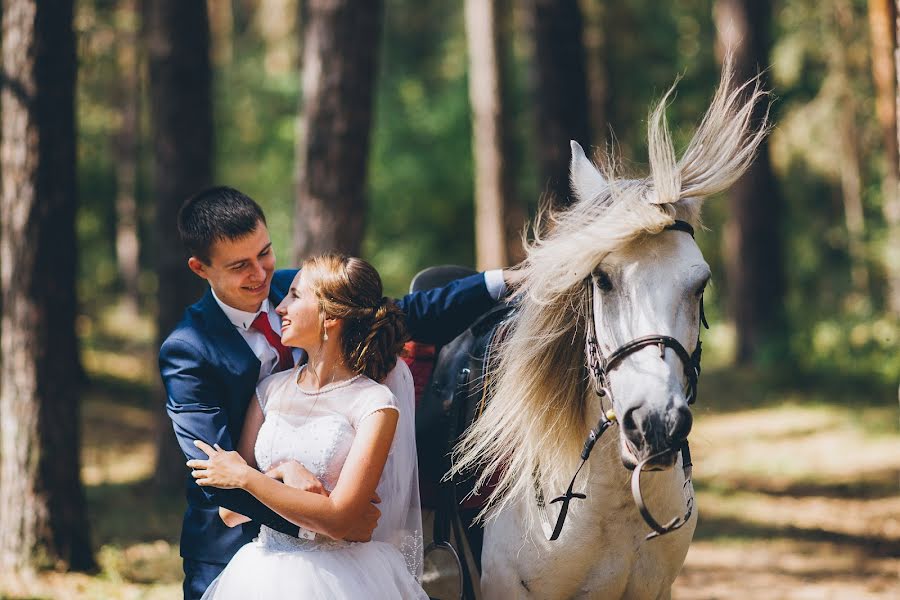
column 317, row 430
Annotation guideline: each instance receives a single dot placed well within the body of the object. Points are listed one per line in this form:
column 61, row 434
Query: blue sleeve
column 193, row 404
column 439, row 315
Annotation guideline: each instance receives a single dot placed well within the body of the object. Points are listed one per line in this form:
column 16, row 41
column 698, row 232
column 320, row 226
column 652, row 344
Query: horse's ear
column 586, row 181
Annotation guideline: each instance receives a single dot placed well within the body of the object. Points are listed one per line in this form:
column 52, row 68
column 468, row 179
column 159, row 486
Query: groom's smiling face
column 239, row 270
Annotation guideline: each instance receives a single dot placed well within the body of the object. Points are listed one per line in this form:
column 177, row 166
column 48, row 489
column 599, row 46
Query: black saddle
column 454, row 398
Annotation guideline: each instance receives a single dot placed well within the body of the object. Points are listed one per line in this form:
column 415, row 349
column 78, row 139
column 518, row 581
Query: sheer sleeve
column 401, row 515
column 266, row 386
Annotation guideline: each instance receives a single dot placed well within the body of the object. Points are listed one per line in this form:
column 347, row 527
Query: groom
column 228, row 341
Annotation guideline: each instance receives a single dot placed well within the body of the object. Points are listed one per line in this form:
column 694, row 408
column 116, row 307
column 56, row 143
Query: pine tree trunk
column 851, row 174
column 486, row 100
column 177, row 34
column 125, row 156
column 891, row 210
column 560, row 90
column 43, row 515
column 276, row 21
column 595, row 45
column 515, row 209
column 341, row 46
column 753, row 244
column 221, row 23
column 882, row 23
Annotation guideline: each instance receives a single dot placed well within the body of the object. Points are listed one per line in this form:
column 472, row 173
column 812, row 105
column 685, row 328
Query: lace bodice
column 316, row 429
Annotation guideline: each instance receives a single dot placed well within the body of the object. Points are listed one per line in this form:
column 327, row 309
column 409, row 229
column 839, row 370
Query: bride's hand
column 222, row 470
column 294, row 474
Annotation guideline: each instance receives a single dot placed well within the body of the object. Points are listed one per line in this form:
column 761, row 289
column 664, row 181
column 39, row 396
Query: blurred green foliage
column 420, row 168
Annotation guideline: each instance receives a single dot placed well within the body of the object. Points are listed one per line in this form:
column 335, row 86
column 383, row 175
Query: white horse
column 612, row 262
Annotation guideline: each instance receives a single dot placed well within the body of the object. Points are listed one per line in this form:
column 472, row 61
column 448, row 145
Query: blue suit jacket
column 210, row 375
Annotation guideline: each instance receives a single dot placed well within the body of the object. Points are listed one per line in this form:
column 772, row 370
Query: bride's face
column 302, row 318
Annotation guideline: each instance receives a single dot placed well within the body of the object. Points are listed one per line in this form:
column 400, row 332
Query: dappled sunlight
column 129, row 367
column 870, row 520
column 78, row 586
column 783, row 569
column 155, row 562
column 796, row 501
column 794, row 442
column 118, row 445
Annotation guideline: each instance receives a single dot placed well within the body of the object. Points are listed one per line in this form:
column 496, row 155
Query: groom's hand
column 363, row 528
column 295, row 475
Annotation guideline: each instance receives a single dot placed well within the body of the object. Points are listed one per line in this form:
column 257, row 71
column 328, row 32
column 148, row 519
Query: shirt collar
column 240, row 318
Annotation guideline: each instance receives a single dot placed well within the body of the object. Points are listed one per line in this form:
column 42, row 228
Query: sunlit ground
column 797, row 490
column 797, row 502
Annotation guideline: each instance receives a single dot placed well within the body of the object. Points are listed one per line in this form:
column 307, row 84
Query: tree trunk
column 595, row 41
column 276, row 21
column 43, row 515
column 125, row 156
column 515, row 209
column 177, row 34
column 753, row 244
column 341, row 45
column 486, row 100
column 848, row 148
column 883, row 24
column 891, row 204
column 560, row 90
column 221, row 23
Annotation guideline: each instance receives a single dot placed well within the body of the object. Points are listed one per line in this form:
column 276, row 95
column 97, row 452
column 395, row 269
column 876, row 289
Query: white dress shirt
column 267, row 355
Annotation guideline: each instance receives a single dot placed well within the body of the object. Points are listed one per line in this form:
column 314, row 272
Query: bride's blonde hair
column 349, row 288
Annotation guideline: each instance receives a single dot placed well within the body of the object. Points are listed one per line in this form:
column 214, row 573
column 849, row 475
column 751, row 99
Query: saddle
column 450, row 394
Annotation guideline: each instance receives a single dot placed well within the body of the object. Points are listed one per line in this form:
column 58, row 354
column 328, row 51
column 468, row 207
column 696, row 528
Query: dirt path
column 796, row 502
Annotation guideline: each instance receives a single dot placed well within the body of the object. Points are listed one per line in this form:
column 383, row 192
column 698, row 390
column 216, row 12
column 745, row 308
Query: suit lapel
column 233, row 347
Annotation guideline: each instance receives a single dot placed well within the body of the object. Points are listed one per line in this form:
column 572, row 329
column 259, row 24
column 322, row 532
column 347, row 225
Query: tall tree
column 849, row 150
column 883, row 26
column 595, row 45
column 126, row 149
column 486, row 86
column 559, row 89
column 341, row 43
column 177, row 38
column 42, row 505
column 753, row 244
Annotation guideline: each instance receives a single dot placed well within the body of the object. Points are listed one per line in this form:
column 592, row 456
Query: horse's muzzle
column 654, row 434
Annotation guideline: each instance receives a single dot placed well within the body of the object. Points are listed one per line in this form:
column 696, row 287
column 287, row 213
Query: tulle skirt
column 371, row 570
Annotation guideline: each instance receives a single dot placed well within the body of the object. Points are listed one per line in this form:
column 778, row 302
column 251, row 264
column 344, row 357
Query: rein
column 599, row 368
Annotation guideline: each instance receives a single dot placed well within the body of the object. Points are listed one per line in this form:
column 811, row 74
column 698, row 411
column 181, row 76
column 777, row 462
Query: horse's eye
column 701, row 289
column 603, row 280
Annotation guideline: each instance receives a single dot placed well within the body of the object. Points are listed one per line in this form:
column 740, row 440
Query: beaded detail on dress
column 412, row 547
column 275, row 541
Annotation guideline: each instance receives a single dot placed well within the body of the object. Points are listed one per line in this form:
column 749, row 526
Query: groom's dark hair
column 217, row 213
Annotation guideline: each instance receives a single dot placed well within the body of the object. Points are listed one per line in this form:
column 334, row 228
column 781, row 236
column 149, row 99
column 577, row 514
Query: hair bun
column 383, row 342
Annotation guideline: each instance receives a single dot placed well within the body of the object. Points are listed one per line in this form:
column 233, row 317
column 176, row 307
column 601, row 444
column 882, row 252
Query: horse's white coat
column 541, row 406
column 602, row 552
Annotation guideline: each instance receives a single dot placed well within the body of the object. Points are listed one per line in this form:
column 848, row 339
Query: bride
column 330, row 421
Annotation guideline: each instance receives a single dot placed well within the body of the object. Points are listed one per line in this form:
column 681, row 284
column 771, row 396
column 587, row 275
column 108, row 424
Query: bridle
column 599, row 368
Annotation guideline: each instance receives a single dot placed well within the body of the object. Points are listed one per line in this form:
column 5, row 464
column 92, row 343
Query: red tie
column 262, row 325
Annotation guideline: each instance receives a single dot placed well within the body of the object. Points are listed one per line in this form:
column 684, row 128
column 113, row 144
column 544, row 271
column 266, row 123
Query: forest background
column 422, row 132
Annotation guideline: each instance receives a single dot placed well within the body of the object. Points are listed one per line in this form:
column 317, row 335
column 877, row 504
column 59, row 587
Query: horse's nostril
column 628, row 419
column 680, row 422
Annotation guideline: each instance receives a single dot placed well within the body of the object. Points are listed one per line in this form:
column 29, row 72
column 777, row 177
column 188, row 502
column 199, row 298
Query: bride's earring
column 324, row 330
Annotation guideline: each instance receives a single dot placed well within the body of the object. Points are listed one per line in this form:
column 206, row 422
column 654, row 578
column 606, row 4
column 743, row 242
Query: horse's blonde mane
column 533, row 428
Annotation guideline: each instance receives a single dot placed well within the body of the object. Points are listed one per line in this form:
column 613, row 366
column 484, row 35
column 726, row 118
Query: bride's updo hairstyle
column 349, row 289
